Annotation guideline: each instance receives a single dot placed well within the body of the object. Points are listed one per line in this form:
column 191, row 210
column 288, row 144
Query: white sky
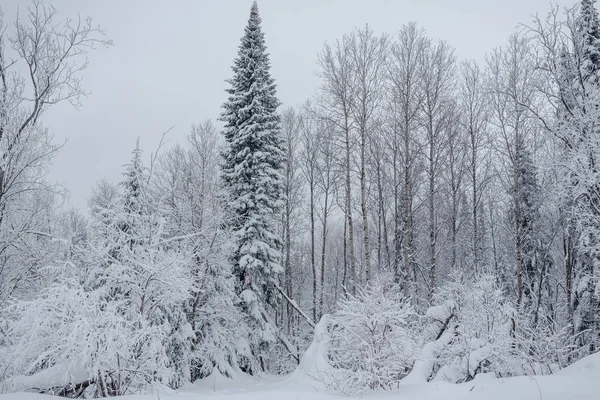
column 170, row 60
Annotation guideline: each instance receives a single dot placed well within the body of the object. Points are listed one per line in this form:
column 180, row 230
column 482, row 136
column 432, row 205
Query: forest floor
column 580, row 381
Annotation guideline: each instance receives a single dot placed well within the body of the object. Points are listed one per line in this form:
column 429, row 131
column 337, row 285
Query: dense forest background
column 431, row 218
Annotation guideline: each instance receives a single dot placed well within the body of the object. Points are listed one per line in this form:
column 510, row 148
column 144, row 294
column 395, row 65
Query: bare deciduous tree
column 405, row 100
column 337, row 103
column 367, row 55
column 474, row 119
column 438, row 86
column 41, row 61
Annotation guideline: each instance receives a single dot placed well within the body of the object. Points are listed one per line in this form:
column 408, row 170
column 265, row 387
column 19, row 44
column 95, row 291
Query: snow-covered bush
column 73, row 334
column 481, row 325
column 372, row 343
column 109, row 326
column 473, row 328
column 543, row 347
column 110, row 320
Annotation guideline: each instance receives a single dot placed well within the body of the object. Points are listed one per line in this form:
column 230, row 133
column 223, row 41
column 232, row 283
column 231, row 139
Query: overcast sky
column 170, row 60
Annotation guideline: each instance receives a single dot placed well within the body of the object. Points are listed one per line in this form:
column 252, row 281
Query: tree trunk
column 345, row 248
column 323, row 250
column 288, row 266
column 432, row 228
column 349, row 211
column 363, row 204
column 397, row 237
column 475, row 200
column 519, row 238
column 407, row 219
column 312, row 249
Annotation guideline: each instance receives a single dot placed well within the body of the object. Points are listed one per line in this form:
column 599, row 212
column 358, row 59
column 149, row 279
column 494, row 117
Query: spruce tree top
column 254, row 156
column 253, row 91
column 132, row 184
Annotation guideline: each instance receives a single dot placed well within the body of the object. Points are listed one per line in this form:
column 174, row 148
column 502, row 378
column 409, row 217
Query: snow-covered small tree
column 149, row 276
column 588, row 36
column 185, row 180
column 252, row 173
column 133, row 183
column 41, row 59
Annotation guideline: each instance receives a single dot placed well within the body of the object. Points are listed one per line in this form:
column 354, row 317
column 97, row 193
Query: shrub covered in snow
column 481, row 324
column 87, row 334
column 372, row 344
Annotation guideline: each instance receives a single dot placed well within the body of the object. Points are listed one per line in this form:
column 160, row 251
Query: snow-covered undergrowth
column 374, row 343
column 580, row 381
column 317, row 376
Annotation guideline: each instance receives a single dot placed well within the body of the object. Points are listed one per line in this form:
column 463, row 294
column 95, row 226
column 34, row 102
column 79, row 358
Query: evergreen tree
column 588, row 29
column 129, row 205
column 525, row 217
column 252, row 173
column 133, row 182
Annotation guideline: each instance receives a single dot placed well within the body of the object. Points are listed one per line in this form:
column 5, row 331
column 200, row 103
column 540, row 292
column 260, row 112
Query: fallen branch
column 296, row 307
column 293, row 350
column 423, row 367
column 444, row 326
column 72, row 390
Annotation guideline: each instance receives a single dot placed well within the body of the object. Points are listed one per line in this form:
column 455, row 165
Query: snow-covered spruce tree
column 252, row 174
column 588, row 29
column 587, row 298
column 132, row 185
column 149, row 275
column 524, row 216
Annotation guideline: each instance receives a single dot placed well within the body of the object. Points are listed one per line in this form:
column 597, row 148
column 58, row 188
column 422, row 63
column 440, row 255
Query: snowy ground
column 581, row 381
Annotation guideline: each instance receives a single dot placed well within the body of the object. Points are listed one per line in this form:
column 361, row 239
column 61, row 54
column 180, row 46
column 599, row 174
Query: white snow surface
column 45, row 378
column 580, row 381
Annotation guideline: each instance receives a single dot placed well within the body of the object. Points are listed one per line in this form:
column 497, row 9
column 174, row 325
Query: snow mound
column 217, row 382
column 314, row 368
column 580, row 381
column 441, row 312
column 56, row 376
column 25, row 396
column 314, row 360
column 588, row 367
